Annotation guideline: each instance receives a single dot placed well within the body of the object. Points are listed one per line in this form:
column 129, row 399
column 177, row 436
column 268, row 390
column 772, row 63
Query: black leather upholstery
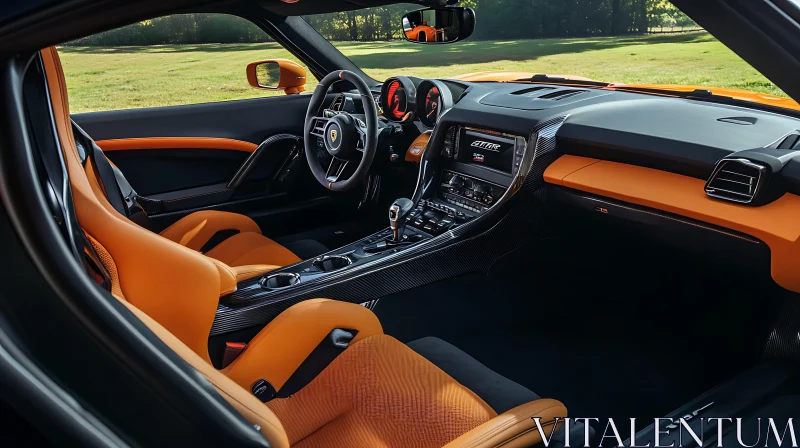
column 496, row 390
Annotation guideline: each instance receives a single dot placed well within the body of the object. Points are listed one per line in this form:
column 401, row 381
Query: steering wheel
column 346, row 138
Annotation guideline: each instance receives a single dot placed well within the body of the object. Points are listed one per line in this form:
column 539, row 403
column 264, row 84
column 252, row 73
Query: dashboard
column 501, row 165
column 733, row 167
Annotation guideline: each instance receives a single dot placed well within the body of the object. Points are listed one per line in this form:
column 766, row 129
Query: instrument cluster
column 398, row 99
column 404, row 99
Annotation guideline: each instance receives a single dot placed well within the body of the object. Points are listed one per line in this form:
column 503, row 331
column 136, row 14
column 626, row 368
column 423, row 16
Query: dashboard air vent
column 561, row 94
column 792, row 141
column 338, row 103
column 736, row 180
column 533, row 91
column 449, row 147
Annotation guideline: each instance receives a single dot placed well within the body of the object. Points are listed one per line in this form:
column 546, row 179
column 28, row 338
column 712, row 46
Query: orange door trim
column 775, row 223
column 132, row 144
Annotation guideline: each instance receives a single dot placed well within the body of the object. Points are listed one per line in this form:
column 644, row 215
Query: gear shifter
column 397, row 222
column 397, row 218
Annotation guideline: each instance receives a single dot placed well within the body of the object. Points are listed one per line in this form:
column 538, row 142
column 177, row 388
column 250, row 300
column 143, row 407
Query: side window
column 168, row 61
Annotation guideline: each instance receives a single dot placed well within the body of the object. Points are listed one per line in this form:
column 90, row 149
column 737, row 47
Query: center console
column 477, row 167
column 468, row 175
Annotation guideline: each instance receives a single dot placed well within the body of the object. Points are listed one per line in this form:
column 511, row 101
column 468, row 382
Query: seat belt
column 128, row 193
column 106, row 173
column 108, row 179
column 119, row 191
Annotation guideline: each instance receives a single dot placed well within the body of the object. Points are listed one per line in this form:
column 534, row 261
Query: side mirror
column 438, row 25
column 277, row 74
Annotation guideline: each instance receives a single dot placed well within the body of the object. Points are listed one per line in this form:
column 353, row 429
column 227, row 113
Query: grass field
column 129, row 77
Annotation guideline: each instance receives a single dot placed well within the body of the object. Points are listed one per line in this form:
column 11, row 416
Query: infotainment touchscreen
column 490, row 150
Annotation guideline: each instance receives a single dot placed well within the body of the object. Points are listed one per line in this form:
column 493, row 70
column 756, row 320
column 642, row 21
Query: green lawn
column 129, row 77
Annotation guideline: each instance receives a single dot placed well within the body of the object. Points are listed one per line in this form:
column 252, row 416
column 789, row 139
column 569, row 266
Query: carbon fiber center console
column 475, row 172
column 477, row 169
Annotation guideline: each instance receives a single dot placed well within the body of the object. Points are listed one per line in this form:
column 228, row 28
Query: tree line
column 497, row 19
column 180, row 29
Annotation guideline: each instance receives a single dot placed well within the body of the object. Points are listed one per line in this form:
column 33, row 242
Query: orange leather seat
column 243, row 244
column 376, row 392
column 248, row 247
column 231, row 238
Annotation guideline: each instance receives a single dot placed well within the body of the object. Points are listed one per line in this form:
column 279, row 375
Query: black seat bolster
column 499, row 392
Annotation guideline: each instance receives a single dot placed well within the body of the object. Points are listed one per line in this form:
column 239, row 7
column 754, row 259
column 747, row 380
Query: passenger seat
column 381, row 393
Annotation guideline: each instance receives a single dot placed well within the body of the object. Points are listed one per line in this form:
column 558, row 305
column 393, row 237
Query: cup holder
column 280, row 280
column 331, row 263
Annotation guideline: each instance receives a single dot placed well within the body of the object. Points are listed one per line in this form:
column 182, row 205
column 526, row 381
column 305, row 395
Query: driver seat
column 231, row 238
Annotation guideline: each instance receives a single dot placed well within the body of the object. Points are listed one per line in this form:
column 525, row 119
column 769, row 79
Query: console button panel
column 435, row 218
column 471, row 193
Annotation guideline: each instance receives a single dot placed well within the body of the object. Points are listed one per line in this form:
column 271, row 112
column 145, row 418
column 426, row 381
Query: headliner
column 11, row 9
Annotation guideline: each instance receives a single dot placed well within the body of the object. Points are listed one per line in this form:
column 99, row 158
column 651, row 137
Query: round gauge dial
column 433, row 99
column 396, row 101
column 433, row 104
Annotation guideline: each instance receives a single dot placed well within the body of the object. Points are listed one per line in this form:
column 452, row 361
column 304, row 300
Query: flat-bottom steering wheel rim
column 370, row 141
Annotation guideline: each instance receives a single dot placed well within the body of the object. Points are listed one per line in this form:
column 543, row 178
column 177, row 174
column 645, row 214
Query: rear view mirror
column 439, row 25
column 277, row 74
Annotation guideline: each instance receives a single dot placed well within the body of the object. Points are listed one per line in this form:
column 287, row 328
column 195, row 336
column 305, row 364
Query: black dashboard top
column 678, row 135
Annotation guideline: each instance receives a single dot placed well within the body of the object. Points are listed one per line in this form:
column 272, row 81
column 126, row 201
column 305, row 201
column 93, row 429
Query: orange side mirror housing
column 277, row 74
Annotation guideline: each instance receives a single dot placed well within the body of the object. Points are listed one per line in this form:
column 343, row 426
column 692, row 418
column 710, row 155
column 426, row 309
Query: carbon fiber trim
column 150, row 206
column 243, row 171
column 519, row 218
column 784, row 339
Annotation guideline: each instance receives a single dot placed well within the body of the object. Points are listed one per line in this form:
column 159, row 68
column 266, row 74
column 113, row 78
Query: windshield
column 621, row 41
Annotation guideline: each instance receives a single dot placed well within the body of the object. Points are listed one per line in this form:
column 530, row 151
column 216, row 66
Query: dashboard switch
column 456, row 182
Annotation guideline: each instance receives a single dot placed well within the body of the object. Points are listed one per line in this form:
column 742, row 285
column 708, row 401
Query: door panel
column 158, row 171
column 183, row 158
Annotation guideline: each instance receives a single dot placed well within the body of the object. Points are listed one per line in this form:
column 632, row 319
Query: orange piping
column 132, row 144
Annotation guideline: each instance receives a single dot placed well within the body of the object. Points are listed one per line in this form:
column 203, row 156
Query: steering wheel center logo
column 334, row 135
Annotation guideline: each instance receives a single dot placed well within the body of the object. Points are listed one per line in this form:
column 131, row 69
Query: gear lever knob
column 397, row 217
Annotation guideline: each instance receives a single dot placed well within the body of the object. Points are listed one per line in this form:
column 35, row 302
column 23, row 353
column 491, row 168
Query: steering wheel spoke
column 361, row 129
column 335, row 169
column 318, row 126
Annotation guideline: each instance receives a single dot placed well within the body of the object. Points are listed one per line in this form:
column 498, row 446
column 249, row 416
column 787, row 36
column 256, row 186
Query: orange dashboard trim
column 509, row 76
column 417, row 148
column 132, row 144
column 775, row 223
column 745, row 95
